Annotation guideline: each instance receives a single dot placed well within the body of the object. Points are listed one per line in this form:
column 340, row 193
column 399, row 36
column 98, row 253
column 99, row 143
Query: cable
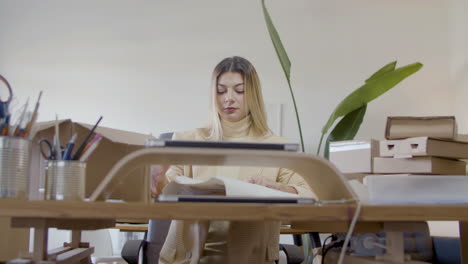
column 334, row 244
column 325, row 242
column 350, row 232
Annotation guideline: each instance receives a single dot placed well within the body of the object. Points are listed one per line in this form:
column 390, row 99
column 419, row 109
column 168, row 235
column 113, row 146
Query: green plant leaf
column 387, row 68
column 347, row 128
column 279, row 48
column 373, row 88
column 285, row 64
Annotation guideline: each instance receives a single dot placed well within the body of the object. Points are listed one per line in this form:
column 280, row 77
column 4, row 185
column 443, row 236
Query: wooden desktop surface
column 229, row 211
column 87, row 213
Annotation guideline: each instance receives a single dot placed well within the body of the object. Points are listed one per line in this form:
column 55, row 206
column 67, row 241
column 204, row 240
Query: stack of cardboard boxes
column 424, row 146
column 421, row 145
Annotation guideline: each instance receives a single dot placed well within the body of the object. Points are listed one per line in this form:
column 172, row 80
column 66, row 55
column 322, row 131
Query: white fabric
column 232, row 187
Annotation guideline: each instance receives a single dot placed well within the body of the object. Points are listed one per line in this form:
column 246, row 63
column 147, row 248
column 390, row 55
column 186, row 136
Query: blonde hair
column 253, row 96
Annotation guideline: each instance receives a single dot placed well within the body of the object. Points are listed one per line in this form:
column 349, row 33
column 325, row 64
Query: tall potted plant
column 351, row 109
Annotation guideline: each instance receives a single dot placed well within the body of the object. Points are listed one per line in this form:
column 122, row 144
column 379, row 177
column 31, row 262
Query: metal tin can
column 65, row 180
column 14, row 167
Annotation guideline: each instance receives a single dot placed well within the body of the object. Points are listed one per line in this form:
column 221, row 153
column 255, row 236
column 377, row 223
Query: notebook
column 222, row 145
column 233, row 199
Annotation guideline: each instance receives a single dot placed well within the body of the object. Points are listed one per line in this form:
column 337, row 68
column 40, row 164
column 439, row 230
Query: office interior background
column 146, row 65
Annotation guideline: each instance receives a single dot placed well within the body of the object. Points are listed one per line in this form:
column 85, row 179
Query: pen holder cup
column 15, row 153
column 65, row 180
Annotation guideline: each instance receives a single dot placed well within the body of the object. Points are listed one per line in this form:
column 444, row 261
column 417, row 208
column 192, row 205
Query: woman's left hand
column 158, row 179
column 264, row 181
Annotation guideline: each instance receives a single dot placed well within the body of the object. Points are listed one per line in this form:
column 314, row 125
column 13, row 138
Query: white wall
column 146, row 65
column 459, row 60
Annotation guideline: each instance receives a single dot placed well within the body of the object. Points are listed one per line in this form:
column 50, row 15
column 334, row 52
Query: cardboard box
column 423, row 146
column 420, row 165
column 464, row 138
column 354, row 156
column 114, row 146
column 399, row 127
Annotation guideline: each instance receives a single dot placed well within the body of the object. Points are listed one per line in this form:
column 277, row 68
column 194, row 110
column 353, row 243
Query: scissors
column 5, row 103
column 50, row 153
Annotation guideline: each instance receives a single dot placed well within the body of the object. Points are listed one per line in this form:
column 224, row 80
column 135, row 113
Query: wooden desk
column 182, row 211
column 131, row 227
column 144, row 228
column 298, row 214
column 325, row 180
column 229, row 211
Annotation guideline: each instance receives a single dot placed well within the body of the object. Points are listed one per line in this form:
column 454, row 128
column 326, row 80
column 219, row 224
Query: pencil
column 90, row 150
column 85, row 141
column 33, row 120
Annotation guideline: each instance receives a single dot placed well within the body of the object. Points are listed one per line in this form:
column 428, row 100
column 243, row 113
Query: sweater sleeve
column 289, row 177
column 179, row 170
column 295, row 180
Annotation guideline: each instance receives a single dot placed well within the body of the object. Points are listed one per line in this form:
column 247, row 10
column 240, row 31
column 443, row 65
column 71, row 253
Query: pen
column 83, row 144
column 90, row 150
column 57, row 139
column 95, row 138
column 69, row 148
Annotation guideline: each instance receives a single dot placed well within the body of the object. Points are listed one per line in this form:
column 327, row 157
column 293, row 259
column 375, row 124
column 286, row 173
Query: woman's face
column 230, row 97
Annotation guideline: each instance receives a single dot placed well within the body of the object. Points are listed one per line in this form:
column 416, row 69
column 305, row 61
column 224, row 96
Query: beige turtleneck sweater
column 238, row 131
column 209, row 242
column 234, row 131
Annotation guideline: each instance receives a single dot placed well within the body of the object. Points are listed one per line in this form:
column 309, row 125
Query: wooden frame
column 323, row 177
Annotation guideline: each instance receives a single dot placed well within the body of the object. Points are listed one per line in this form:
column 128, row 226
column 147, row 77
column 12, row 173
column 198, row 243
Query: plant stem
column 297, row 115
column 320, row 144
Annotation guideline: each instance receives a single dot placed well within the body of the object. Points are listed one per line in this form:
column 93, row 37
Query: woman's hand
column 264, row 181
column 158, row 179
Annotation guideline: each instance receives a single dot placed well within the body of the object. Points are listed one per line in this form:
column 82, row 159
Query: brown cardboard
column 421, row 165
column 464, row 138
column 114, row 146
column 12, row 240
column 442, row 127
column 354, row 156
column 423, row 146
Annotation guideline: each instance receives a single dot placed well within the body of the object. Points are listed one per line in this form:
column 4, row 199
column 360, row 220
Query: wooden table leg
column 76, row 238
column 40, row 242
column 464, row 242
column 76, row 243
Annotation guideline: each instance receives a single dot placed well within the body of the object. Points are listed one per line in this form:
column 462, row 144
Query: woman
column 237, row 114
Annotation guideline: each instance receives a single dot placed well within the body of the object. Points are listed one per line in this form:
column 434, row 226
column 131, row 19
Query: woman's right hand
column 158, row 179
